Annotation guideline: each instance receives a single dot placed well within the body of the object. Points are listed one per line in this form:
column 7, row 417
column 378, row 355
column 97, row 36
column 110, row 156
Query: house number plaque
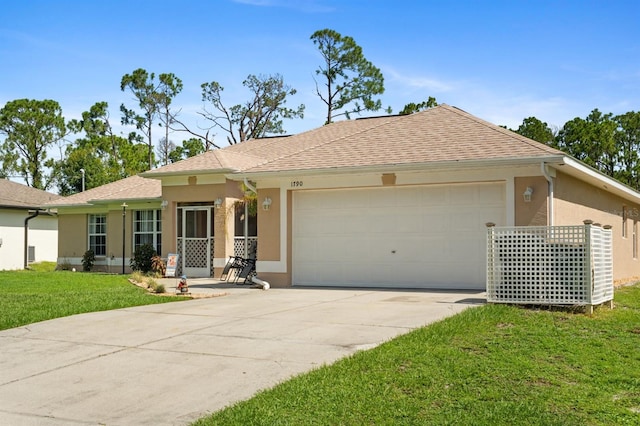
column 296, row 184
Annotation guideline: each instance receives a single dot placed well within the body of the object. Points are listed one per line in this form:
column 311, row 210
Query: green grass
column 31, row 296
column 492, row 365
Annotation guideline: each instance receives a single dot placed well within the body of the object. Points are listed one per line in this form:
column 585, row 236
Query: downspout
column 246, row 218
column 550, row 197
column 26, row 237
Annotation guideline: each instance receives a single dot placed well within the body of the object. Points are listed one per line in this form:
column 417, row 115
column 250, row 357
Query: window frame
column 95, row 230
column 140, row 228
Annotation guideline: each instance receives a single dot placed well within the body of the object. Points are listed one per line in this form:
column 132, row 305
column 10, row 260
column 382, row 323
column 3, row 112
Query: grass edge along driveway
column 27, row 297
column 491, row 365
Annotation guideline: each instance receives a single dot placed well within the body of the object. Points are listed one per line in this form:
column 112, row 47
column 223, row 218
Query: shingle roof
column 131, row 188
column 219, row 159
column 16, row 195
column 440, row 134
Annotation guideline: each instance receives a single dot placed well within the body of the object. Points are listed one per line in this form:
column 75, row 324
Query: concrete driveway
column 170, row 364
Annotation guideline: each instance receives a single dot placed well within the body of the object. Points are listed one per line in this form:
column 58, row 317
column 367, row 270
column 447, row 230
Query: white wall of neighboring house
column 43, row 235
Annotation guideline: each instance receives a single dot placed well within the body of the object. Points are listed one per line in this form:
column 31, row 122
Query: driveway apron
column 173, row 363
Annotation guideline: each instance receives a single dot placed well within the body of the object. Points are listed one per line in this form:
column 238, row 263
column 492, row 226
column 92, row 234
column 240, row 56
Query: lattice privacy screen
column 238, row 245
column 558, row 265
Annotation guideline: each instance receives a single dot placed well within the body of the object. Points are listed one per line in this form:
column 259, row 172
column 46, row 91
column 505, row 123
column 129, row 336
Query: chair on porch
column 234, row 263
column 238, row 267
column 246, row 272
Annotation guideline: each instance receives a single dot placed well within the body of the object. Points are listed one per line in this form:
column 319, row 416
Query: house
column 27, row 233
column 395, row 201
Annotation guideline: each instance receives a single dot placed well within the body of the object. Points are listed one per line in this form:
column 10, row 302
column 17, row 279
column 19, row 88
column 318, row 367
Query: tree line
column 603, row 141
column 345, row 82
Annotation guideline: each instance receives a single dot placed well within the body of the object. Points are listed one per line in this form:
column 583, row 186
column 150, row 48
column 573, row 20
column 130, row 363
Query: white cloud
column 418, row 81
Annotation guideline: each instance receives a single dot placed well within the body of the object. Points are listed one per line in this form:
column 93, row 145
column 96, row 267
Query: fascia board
column 160, row 175
column 387, row 168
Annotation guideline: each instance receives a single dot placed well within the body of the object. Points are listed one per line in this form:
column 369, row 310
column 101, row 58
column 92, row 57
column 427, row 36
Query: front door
column 195, row 240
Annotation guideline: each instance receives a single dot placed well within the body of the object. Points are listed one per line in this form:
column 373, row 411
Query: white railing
column 554, row 265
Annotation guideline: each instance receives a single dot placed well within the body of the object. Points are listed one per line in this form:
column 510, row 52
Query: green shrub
column 142, row 258
column 88, row 259
column 160, row 288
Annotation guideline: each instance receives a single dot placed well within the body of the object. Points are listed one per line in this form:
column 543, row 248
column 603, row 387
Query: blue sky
column 502, row 61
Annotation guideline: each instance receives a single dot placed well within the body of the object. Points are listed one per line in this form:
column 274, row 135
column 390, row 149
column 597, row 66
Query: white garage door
column 407, row 237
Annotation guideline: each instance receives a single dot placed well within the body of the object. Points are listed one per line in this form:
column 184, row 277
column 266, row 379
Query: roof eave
column 104, row 202
column 432, row 165
column 160, row 175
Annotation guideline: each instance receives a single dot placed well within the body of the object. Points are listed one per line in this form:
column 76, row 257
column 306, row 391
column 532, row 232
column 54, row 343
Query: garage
column 430, row 236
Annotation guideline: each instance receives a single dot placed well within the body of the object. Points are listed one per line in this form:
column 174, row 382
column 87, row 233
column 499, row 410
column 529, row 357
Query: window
column 625, row 214
column 147, row 229
column 98, row 234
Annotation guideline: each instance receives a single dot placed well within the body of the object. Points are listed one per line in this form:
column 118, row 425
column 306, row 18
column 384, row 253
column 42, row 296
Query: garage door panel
column 418, row 237
column 460, row 195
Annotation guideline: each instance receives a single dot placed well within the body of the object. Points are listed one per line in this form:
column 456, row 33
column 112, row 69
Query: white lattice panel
column 560, row 265
column 196, row 253
column 238, row 245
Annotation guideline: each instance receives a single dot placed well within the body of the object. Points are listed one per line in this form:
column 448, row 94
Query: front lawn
column 30, row 296
column 492, row 365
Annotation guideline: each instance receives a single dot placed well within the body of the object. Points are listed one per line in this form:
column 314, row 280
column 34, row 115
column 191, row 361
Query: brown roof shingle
column 16, row 195
column 440, row 134
column 131, row 188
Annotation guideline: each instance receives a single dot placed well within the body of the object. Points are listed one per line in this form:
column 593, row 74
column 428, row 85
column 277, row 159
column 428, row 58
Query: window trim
column 156, row 232
column 93, row 223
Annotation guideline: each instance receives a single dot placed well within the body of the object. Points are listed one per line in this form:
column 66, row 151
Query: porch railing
column 238, row 245
column 554, row 265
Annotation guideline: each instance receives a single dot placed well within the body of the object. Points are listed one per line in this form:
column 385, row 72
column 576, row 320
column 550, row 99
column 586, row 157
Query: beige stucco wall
column 576, row 201
column 73, row 239
column 72, row 235
column 269, row 239
column 269, row 225
column 533, row 213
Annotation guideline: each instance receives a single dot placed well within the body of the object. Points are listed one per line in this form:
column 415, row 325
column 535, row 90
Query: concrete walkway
column 172, row 363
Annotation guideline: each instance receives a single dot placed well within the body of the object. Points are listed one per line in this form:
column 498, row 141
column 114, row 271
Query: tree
column 31, row 127
column 410, row 108
column 164, row 149
column 537, row 130
column 627, row 137
column 103, row 156
column 153, row 99
column 260, row 116
column 349, row 78
column 591, row 140
column 169, row 87
column 190, row 148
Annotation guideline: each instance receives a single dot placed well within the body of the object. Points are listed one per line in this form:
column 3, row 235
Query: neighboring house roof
column 131, row 188
column 436, row 135
column 16, row 195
